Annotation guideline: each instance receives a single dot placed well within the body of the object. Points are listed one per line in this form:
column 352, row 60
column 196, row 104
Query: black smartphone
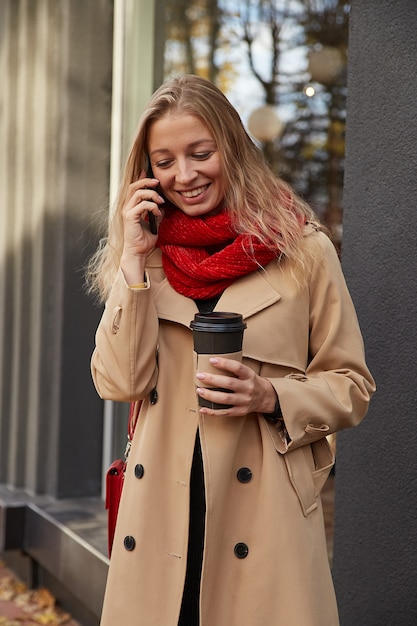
column 152, row 219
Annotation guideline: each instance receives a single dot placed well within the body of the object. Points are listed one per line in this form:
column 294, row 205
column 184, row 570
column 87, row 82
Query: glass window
column 282, row 63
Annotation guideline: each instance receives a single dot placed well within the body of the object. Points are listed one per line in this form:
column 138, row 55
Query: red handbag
column 115, row 477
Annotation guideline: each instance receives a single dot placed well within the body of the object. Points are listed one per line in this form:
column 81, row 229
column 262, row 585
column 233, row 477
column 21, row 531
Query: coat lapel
column 247, row 295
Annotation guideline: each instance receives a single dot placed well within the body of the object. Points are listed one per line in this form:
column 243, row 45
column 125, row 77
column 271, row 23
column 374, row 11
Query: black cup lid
column 218, row 321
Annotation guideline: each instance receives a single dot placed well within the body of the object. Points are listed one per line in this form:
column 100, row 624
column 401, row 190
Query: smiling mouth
column 194, row 193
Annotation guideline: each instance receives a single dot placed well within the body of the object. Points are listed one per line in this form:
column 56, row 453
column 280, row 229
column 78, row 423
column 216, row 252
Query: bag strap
column 133, row 417
column 131, row 425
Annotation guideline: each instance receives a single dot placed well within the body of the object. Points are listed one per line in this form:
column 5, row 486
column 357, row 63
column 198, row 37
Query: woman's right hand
column 138, row 240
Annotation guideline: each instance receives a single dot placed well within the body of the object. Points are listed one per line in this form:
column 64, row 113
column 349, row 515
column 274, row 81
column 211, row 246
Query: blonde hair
column 260, row 204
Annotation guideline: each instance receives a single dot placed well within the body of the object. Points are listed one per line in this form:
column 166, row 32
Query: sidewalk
column 20, row 606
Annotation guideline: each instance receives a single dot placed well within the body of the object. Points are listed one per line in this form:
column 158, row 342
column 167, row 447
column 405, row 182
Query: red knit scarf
column 191, row 266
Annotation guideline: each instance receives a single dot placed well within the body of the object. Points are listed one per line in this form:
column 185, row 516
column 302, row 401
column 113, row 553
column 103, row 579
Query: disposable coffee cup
column 216, row 333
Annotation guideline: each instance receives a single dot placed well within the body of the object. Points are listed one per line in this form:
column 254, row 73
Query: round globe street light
column 264, row 123
column 325, row 64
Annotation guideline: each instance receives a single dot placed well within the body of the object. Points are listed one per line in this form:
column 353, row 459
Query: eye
column 202, row 156
column 164, row 164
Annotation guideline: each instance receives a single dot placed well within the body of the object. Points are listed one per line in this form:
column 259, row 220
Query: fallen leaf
column 44, row 598
column 37, row 606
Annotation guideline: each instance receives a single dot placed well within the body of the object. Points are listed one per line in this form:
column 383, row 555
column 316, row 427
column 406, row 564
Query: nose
column 185, row 171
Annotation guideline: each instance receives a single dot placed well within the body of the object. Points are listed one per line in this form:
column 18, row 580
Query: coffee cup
column 216, row 333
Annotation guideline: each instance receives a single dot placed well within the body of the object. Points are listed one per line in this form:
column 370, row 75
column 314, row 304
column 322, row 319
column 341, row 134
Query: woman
column 220, row 522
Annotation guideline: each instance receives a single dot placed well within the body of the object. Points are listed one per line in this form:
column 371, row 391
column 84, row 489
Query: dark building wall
column 376, row 476
column 55, row 103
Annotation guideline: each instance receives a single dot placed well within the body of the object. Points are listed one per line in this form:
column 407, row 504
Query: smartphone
column 152, row 219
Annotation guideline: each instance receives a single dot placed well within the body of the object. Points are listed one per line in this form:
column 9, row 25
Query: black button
column 244, row 474
column 129, row 543
column 139, row 470
column 241, row 550
column 153, row 398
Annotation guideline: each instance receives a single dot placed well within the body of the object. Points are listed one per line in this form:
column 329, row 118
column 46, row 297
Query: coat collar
column 247, row 295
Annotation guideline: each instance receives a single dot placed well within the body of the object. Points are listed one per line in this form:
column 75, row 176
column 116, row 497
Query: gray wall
column 55, row 101
column 375, row 560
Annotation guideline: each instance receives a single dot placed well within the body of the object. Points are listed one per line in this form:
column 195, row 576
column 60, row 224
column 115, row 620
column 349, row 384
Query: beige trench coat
column 309, row 345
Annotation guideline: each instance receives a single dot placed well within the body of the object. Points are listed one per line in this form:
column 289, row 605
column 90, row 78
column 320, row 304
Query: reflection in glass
column 282, row 63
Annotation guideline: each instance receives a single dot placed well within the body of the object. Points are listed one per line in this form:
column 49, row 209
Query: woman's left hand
column 248, row 392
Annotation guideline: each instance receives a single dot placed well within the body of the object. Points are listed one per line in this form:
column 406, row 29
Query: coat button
column 129, row 543
column 244, row 474
column 139, row 470
column 241, row 550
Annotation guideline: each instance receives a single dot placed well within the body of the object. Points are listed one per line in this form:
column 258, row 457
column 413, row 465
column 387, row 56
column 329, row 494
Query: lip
column 195, row 194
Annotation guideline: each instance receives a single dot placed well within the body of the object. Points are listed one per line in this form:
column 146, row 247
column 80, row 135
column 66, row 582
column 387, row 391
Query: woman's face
column 185, row 160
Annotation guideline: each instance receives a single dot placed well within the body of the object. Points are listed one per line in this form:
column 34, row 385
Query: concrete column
column 376, row 475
